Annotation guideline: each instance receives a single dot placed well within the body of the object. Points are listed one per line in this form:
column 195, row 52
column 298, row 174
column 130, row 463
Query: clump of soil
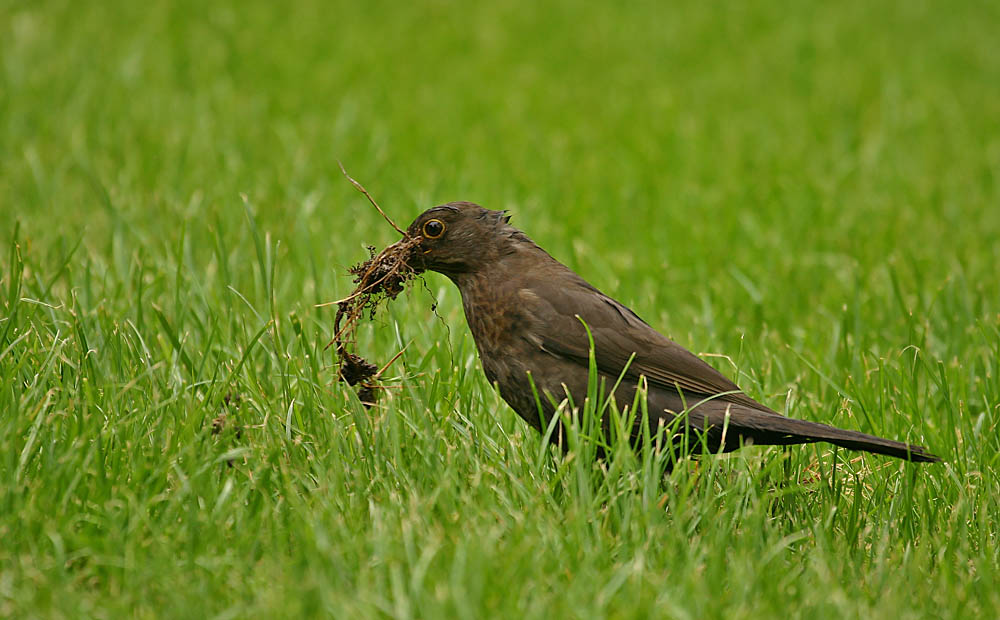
column 219, row 424
column 229, row 401
column 382, row 277
column 354, row 368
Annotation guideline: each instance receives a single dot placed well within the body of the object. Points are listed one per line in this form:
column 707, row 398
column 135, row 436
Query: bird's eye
column 433, row 229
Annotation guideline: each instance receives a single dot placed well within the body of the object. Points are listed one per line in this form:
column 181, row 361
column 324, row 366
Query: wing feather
column 618, row 333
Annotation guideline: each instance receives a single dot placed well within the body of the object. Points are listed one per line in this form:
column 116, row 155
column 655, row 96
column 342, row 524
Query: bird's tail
column 775, row 429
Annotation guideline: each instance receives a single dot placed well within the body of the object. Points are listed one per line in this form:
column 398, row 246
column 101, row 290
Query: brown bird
column 527, row 313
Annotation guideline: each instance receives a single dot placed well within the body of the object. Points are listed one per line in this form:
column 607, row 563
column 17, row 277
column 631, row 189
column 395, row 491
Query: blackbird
column 527, row 313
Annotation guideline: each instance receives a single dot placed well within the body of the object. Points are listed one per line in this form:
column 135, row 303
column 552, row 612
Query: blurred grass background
column 810, row 189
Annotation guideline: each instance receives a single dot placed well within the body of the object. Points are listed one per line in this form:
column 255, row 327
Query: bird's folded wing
column 619, row 333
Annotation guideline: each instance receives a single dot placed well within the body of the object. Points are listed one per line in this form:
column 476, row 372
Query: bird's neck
column 492, row 294
column 493, row 308
column 517, row 258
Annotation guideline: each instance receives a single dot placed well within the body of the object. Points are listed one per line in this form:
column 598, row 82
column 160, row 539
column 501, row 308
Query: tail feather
column 774, row 429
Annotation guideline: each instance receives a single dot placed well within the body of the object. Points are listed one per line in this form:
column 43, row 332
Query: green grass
column 811, row 189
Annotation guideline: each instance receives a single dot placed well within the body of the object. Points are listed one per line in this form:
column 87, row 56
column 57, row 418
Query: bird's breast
column 492, row 314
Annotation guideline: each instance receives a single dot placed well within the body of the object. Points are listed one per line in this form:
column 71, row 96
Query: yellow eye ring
column 433, row 229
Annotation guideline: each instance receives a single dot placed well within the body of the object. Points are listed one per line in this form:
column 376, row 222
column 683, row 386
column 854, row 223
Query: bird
column 537, row 325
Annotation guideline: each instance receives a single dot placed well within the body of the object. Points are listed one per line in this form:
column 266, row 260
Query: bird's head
column 460, row 237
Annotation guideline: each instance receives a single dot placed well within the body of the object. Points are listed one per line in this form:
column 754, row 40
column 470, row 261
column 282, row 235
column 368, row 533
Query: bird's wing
column 618, row 333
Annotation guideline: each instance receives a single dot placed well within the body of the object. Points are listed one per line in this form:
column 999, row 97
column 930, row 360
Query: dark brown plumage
column 522, row 306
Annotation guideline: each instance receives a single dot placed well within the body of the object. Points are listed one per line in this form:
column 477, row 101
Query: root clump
column 382, row 277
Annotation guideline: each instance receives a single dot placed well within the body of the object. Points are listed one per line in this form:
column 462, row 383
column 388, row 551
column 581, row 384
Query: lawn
column 808, row 194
